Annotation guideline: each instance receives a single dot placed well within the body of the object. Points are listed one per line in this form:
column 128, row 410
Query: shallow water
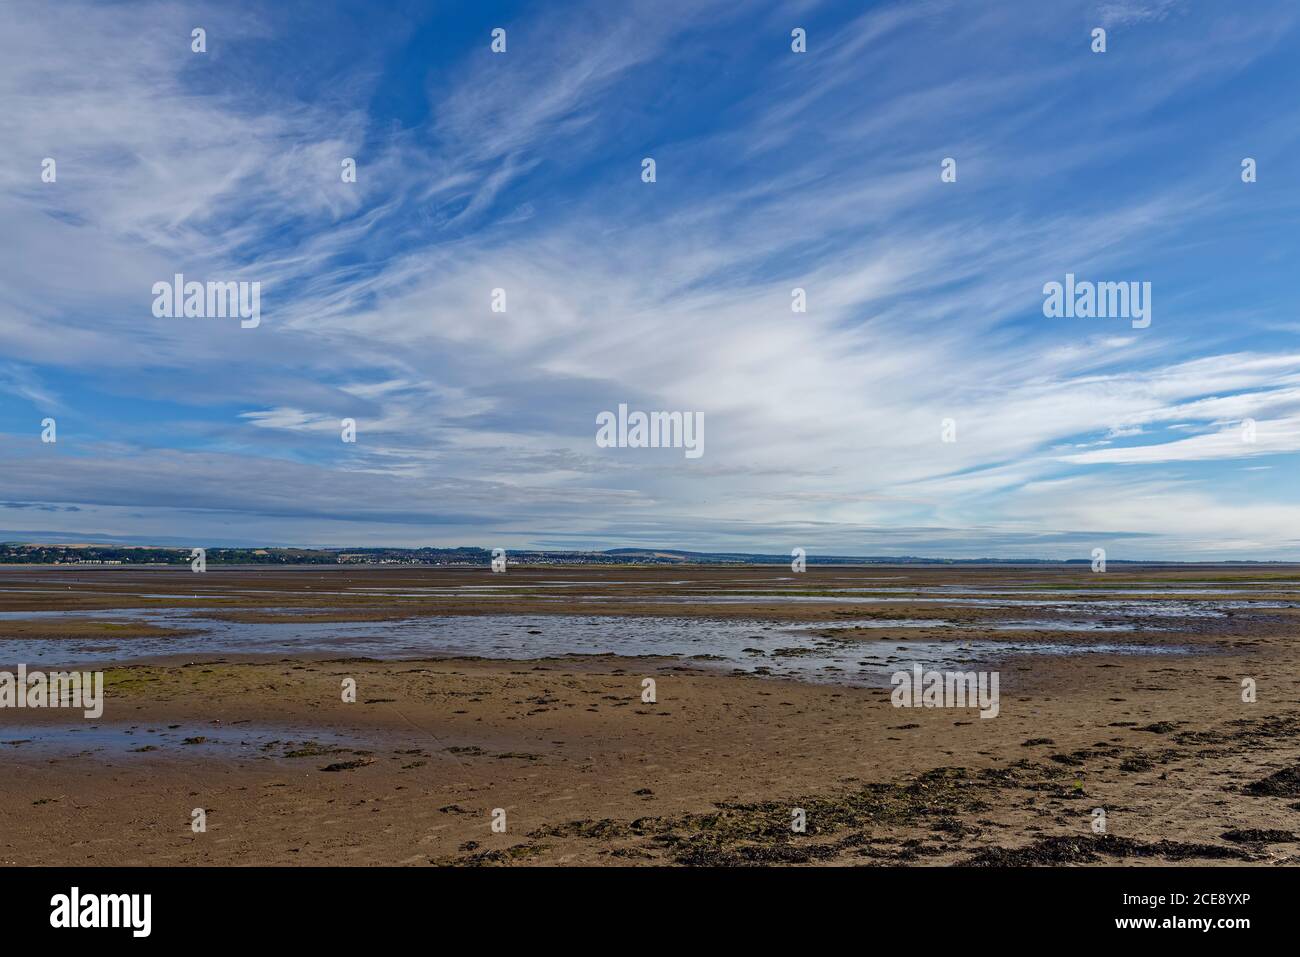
column 188, row 740
column 1133, row 609
column 784, row 649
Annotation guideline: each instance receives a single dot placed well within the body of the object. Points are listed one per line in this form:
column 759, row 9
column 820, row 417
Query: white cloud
column 673, row 296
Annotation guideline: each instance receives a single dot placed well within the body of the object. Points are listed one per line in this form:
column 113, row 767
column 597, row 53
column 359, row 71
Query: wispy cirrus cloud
column 522, row 172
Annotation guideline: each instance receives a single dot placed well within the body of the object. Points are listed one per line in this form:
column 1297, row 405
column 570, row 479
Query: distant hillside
column 35, row 553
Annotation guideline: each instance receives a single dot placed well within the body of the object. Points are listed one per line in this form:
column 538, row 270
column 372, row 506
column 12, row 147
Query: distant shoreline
column 90, row 555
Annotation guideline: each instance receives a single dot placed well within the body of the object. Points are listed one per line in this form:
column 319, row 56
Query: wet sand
column 710, row 773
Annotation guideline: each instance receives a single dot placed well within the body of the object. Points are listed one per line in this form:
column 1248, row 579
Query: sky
column 774, row 170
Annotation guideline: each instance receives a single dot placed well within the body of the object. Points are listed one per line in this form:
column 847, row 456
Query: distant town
column 12, row 553
column 16, row 553
column 31, row 553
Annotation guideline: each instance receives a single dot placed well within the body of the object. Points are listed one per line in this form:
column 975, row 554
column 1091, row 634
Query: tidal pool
column 186, row 739
column 795, row 650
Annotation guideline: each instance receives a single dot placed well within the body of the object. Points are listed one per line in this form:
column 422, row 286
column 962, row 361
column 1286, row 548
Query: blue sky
column 775, row 170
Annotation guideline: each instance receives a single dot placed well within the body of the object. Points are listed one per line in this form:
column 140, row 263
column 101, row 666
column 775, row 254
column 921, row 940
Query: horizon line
column 765, row 558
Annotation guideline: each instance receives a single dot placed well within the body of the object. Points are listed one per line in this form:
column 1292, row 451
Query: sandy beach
column 712, row 771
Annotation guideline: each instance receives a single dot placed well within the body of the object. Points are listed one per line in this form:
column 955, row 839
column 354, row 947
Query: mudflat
column 1146, row 715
